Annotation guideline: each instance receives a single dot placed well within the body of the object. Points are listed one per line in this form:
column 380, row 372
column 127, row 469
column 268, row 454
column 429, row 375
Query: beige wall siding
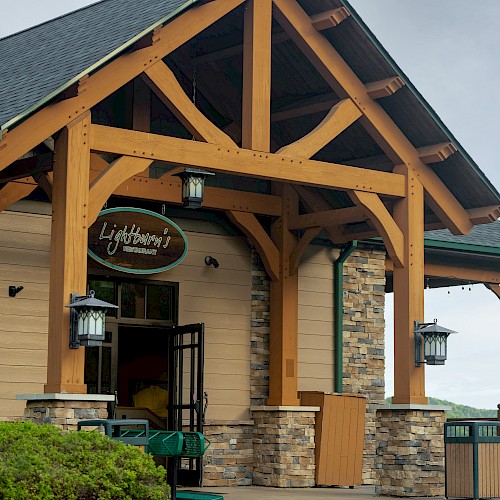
column 316, row 320
column 24, row 261
column 219, row 298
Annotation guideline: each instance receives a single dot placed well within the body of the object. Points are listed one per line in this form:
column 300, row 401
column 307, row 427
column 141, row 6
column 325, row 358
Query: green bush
column 41, row 462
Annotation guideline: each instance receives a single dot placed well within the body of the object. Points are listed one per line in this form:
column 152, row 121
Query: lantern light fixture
column 434, row 339
column 87, row 321
column 193, row 185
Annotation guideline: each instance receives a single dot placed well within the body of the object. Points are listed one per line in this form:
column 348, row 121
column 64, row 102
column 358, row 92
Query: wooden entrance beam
column 167, row 189
column 68, row 255
column 25, row 136
column 345, row 83
column 242, row 161
column 337, row 217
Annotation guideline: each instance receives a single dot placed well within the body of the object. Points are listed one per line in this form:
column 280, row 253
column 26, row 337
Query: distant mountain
column 460, row 411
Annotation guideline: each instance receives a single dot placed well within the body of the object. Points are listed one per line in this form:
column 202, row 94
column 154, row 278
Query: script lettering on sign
column 136, row 241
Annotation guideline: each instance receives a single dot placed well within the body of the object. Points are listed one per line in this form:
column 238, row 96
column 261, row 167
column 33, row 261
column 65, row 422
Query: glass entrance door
column 101, row 363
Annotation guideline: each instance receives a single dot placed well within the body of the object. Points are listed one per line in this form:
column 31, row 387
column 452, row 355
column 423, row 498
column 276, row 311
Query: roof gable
column 38, row 61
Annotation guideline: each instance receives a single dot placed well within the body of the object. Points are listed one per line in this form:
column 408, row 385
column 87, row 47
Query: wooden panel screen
column 488, row 469
column 340, row 431
column 459, row 470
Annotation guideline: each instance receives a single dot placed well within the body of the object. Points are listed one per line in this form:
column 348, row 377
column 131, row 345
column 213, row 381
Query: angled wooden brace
column 385, row 224
column 300, row 248
column 45, row 181
column 252, row 228
column 103, row 186
column 164, row 84
column 314, row 203
column 14, row 191
column 341, row 116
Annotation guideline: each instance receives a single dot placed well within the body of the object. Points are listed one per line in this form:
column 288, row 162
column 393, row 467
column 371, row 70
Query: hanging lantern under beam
column 87, row 322
column 434, row 339
column 193, row 185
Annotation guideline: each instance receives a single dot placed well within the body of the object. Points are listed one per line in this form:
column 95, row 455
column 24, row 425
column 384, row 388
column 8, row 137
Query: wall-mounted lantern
column 193, row 185
column 434, row 339
column 87, row 322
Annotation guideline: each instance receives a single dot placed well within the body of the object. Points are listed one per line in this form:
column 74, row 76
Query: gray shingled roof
column 483, row 235
column 65, row 47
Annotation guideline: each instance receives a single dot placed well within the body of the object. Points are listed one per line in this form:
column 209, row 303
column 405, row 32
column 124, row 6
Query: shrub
column 41, row 462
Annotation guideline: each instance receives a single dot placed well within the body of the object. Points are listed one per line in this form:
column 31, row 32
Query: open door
column 185, row 405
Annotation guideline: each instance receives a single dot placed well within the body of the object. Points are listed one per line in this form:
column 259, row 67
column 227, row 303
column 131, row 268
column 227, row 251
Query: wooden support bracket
column 385, row 224
column 253, row 229
column 105, row 184
column 300, row 248
column 14, row 191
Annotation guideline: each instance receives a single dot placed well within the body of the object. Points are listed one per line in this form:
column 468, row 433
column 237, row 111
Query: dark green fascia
column 464, row 247
column 420, row 98
column 450, row 245
column 25, row 114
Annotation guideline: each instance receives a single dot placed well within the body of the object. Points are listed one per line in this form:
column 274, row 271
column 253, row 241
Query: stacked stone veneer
column 64, row 413
column 410, row 452
column 230, row 459
column 363, row 357
column 284, row 448
column 259, row 334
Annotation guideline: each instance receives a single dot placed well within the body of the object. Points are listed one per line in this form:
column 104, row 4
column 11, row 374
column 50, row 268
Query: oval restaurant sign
column 136, row 241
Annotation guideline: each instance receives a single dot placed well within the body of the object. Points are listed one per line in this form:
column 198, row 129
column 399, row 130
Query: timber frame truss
column 390, row 202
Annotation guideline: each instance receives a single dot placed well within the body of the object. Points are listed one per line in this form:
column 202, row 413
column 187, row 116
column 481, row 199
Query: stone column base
column 65, row 410
column 410, row 450
column 284, row 446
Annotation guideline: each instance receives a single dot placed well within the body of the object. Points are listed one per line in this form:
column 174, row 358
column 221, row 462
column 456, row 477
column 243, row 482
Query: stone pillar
column 229, row 460
column 65, row 410
column 284, row 446
column 410, row 450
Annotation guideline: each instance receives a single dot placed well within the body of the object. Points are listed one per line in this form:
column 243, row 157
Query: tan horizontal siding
column 25, row 223
column 24, row 261
column 315, row 359
column 219, row 298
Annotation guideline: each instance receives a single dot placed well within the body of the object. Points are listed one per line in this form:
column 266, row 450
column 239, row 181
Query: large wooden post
column 68, row 260
column 283, row 342
column 256, row 112
column 409, row 380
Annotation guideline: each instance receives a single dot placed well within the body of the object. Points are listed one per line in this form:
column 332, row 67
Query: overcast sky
column 449, row 49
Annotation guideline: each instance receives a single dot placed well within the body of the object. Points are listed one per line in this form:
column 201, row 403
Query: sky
column 449, row 49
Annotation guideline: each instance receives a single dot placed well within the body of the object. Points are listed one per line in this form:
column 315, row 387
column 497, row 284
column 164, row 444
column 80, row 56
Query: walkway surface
column 262, row 493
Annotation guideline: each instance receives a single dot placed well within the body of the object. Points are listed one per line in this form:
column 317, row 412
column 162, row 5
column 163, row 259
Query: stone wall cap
column 285, row 408
column 411, row 407
column 227, row 422
column 61, row 396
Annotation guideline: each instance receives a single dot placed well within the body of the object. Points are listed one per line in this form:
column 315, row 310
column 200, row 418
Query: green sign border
column 141, row 271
